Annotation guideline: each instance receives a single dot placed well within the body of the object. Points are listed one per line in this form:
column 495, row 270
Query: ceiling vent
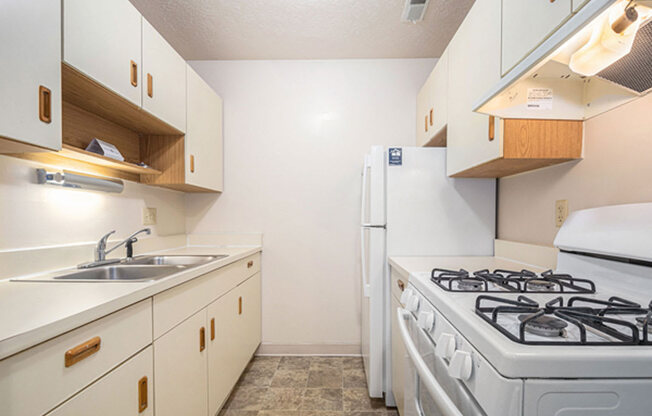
column 414, row 10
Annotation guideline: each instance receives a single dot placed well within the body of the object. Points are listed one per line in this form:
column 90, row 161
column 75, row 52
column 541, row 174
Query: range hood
column 544, row 85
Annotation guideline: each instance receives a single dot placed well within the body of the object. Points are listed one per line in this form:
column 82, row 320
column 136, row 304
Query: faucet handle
column 104, row 238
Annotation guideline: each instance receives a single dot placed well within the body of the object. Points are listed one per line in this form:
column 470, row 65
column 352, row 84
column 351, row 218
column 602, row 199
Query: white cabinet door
column 203, row 141
column 102, row 39
column 423, row 105
column 180, row 383
column 399, row 359
column 164, row 79
column 30, row 74
column 528, row 23
column 439, row 95
column 251, row 314
column 473, row 67
column 125, row 391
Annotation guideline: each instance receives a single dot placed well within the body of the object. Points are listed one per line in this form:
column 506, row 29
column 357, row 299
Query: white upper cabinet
column 432, row 103
column 164, row 79
column 203, row 141
column 473, row 67
column 30, row 74
column 527, row 23
column 102, row 39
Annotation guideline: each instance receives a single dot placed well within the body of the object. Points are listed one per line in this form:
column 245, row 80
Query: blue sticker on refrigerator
column 395, row 156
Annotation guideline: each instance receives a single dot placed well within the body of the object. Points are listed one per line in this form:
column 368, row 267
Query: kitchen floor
column 304, row 386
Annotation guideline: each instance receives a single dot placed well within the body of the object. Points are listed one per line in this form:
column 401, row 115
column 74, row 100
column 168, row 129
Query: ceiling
column 302, row 29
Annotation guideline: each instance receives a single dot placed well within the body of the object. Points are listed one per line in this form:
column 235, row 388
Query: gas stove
column 577, row 339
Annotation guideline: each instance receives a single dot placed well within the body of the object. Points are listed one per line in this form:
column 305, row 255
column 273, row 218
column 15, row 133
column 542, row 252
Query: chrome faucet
column 101, row 250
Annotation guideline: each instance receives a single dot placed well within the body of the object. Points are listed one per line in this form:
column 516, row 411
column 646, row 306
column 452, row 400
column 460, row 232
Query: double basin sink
column 139, row 269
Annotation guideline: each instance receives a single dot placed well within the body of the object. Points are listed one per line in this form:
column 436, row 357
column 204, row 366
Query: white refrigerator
column 411, row 208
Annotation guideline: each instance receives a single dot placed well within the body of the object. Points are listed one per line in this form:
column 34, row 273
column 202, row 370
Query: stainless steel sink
column 135, row 273
column 176, row 260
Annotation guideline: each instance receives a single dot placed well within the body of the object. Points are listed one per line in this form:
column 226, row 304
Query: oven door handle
column 439, row 395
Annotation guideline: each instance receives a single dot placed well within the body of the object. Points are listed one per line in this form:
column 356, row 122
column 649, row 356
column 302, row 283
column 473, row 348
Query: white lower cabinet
column 125, row 391
column 399, row 353
column 180, row 356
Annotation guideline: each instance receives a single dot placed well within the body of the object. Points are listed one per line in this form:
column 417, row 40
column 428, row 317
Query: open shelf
column 71, row 152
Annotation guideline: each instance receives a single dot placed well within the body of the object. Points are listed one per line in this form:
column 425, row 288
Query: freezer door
column 372, row 298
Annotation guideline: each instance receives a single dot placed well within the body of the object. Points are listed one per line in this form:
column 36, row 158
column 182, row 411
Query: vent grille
column 634, row 70
column 414, row 10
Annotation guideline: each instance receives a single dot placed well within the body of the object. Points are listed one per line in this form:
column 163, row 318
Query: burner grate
column 607, row 318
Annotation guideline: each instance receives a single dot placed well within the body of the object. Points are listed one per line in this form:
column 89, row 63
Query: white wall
column 33, row 215
column 295, row 135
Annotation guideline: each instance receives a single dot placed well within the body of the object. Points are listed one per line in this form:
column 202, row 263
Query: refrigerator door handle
column 363, row 205
column 383, row 226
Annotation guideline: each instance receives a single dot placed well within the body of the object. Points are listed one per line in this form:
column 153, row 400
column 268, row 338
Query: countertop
column 33, row 312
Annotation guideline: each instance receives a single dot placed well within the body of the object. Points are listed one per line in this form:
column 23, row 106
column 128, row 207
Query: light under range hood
column 543, row 85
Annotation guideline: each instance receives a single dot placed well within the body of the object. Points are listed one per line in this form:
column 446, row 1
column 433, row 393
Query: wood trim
column 202, row 339
column 167, row 154
column 142, row 394
column 426, row 124
column 212, row 329
column 82, row 351
column 492, row 128
column 240, row 305
column 44, row 104
column 134, row 73
column 72, row 152
column 439, row 139
column 530, row 144
column 150, row 85
column 192, row 163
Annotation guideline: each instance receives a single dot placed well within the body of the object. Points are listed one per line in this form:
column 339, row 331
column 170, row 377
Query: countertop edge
column 28, row 339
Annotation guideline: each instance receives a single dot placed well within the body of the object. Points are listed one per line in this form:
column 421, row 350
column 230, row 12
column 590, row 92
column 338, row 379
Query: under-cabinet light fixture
column 79, row 181
column 611, row 39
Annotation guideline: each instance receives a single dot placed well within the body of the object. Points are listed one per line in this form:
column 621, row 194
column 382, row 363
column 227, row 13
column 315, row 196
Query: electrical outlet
column 149, row 216
column 561, row 212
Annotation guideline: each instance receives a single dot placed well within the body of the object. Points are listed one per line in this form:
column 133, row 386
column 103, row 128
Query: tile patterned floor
column 304, row 386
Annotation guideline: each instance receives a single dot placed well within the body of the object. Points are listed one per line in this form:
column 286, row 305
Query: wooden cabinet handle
column 240, row 305
column 426, row 124
column 492, row 127
column 44, row 104
column 250, row 264
column 192, row 163
column 212, row 329
column 142, row 394
column 202, row 339
column 401, row 285
column 81, row 351
column 431, row 111
column 150, row 85
column 134, row 74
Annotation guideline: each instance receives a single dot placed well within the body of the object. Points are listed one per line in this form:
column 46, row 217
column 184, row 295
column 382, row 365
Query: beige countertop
column 33, row 312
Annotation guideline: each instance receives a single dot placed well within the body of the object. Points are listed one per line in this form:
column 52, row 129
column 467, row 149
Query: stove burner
column 540, row 285
column 470, row 284
column 546, row 326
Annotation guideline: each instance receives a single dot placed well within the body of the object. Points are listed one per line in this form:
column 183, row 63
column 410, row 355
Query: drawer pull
column 44, row 104
column 212, row 329
column 192, row 163
column 492, row 127
column 240, row 305
column 250, row 264
column 134, row 74
column 401, row 285
column 426, row 128
column 150, row 85
column 81, row 351
column 431, row 111
column 202, row 339
column 142, row 394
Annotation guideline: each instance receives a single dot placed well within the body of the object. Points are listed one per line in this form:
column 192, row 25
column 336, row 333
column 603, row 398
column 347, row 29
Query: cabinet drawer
column 126, row 391
column 174, row 305
column 399, row 283
column 34, row 381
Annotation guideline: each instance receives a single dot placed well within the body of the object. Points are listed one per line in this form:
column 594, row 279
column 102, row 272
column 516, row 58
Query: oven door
column 429, row 390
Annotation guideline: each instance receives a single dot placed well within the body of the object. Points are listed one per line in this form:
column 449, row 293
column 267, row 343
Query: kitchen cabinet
column 432, row 106
column 164, row 79
column 127, row 391
column 235, row 333
column 399, row 353
column 473, row 67
column 525, row 24
column 180, row 357
column 30, row 76
column 204, row 140
column 102, row 40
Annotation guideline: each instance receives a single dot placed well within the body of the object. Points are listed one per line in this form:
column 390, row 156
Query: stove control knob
column 461, row 366
column 405, row 296
column 426, row 320
column 445, row 346
column 413, row 303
